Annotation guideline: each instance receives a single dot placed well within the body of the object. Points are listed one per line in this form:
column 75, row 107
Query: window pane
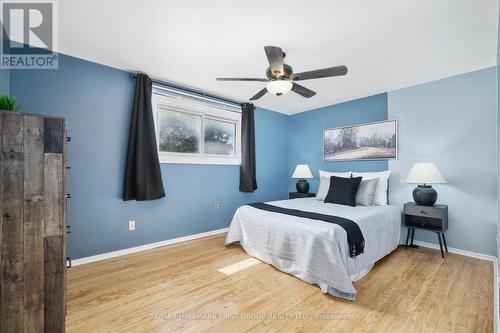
column 179, row 132
column 220, row 137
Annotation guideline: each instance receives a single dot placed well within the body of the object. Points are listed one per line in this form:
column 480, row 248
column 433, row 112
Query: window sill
column 204, row 160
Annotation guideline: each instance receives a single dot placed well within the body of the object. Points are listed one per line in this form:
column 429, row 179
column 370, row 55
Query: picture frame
column 369, row 141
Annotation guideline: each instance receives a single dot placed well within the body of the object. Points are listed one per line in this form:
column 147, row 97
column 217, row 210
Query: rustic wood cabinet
column 32, row 223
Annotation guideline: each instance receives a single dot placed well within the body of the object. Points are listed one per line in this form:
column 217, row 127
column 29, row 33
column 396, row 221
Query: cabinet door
column 32, row 223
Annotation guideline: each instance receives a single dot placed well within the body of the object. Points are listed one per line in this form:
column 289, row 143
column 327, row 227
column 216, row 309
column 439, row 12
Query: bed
column 313, row 250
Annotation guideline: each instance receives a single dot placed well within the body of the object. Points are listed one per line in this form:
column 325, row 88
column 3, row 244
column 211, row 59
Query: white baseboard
column 496, row 305
column 458, row 251
column 145, row 247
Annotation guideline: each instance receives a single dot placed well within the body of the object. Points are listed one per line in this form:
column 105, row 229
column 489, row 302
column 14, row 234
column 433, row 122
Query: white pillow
column 328, row 174
column 383, row 183
column 366, row 192
column 324, row 182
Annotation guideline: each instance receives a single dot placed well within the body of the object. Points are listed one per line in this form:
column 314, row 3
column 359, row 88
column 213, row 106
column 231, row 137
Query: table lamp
column 302, row 173
column 424, row 174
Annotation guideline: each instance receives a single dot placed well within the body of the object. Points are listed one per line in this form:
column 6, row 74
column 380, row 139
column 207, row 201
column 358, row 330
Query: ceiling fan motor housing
column 288, row 71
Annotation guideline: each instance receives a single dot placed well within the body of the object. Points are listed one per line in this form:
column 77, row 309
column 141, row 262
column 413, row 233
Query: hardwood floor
column 412, row 290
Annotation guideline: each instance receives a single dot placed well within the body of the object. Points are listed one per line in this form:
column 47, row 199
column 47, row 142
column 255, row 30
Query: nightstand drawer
column 431, row 212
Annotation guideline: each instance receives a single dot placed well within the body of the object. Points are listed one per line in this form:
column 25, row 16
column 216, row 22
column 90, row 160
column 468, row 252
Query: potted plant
column 8, row 103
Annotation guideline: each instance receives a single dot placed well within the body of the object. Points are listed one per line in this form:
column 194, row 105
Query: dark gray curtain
column 248, row 180
column 142, row 173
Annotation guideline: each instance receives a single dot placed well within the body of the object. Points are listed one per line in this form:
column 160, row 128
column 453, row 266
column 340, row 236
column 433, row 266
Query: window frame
column 170, row 100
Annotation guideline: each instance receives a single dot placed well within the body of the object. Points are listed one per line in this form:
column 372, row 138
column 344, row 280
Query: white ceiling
column 386, row 44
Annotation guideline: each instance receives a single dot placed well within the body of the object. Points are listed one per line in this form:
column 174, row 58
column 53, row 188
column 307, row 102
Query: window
column 196, row 131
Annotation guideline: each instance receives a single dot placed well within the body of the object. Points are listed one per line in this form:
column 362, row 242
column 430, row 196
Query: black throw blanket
column 355, row 238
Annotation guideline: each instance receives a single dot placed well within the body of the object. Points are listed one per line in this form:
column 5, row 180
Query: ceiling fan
column 281, row 79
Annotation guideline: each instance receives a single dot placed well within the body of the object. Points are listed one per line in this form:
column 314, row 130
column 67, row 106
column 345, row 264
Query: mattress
column 316, row 251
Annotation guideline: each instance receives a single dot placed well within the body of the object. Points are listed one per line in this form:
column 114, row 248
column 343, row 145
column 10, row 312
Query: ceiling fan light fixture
column 279, row 87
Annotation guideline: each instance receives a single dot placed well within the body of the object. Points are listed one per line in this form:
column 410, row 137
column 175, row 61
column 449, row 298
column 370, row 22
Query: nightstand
column 432, row 218
column 296, row 195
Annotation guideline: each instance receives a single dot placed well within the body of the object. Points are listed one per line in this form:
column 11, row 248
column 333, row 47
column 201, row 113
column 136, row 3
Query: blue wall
column 4, row 81
column 96, row 101
column 452, row 123
column 305, row 136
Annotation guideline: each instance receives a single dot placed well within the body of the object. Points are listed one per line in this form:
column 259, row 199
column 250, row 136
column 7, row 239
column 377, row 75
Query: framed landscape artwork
column 372, row 141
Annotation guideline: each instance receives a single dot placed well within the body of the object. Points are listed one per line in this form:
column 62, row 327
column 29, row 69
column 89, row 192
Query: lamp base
column 425, row 195
column 302, row 186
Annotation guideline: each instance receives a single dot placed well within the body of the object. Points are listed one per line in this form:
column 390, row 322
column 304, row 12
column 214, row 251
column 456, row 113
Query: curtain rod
column 189, row 91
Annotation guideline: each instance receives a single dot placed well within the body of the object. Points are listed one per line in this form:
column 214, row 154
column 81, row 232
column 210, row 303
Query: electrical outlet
column 131, row 225
column 217, row 205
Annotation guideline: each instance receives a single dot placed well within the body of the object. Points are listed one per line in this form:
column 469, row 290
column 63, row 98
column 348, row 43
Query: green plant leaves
column 8, row 103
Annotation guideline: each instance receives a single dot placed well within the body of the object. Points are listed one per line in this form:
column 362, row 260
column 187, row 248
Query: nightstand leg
column 440, row 244
column 412, row 236
column 407, row 237
column 444, row 241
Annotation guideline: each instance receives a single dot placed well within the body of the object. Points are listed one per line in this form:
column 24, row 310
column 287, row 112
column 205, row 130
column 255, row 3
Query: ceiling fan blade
column 275, row 57
column 241, row 79
column 303, row 91
column 320, row 73
column 259, row 94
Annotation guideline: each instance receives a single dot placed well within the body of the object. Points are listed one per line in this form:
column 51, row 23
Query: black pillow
column 343, row 190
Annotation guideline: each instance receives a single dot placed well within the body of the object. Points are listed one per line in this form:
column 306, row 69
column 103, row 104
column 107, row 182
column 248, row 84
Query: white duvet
column 316, row 251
